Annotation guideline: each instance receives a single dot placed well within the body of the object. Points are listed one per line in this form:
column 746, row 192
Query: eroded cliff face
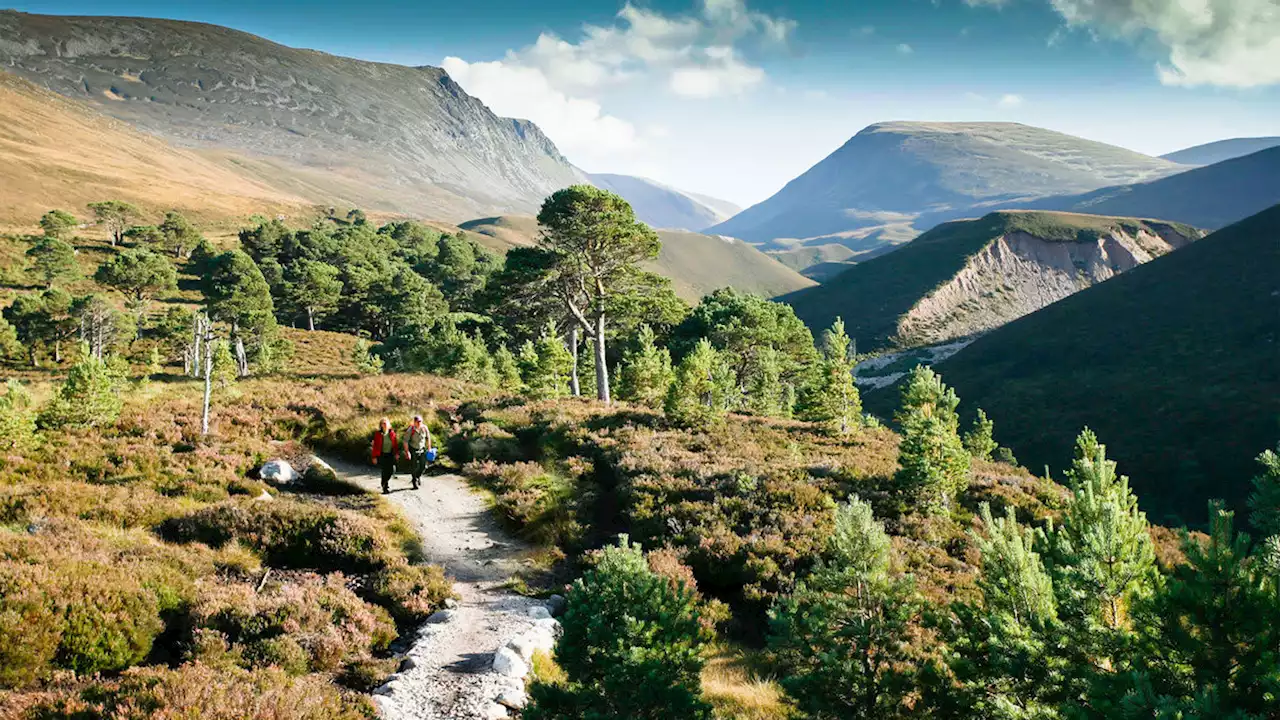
column 408, row 137
column 1019, row 273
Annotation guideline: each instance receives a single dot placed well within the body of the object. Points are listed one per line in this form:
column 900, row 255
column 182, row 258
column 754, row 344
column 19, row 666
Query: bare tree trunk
column 197, row 323
column 57, row 351
column 602, row 368
column 311, row 320
column 208, row 378
column 242, row 359
column 575, row 387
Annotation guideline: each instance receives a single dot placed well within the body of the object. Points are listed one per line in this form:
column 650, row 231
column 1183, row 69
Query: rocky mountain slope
column 1175, row 365
column 970, row 276
column 870, row 191
column 696, row 263
column 58, row 153
column 661, row 206
column 334, row 129
column 1216, row 152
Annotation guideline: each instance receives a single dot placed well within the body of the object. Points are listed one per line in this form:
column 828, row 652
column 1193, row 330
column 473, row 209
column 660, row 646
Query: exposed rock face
column 378, row 135
column 1019, row 273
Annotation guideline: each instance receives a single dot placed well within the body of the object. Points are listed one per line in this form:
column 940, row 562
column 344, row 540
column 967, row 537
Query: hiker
column 385, row 451
column 417, row 442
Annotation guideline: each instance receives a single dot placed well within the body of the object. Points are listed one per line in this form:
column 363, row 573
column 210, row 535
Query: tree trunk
column 208, row 382
column 602, row 368
column 311, row 319
column 242, row 359
column 575, row 387
column 197, row 342
column 57, row 351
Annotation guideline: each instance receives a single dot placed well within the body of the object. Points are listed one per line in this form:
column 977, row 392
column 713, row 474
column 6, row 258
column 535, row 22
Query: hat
column 417, row 417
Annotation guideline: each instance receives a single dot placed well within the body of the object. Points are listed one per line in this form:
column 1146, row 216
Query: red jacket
column 377, row 444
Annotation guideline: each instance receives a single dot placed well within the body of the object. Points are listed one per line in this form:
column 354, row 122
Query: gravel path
column 449, row 671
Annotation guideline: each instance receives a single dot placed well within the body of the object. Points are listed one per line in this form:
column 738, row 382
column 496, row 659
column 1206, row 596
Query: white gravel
column 449, row 670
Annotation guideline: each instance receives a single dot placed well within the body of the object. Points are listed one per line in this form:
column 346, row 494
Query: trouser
column 418, row 464
column 387, row 462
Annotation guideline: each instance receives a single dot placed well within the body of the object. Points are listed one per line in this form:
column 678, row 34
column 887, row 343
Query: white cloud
column 1010, row 101
column 579, row 127
column 1231, row 43
column 905, row 49
column 723, row 74
column 865, row 31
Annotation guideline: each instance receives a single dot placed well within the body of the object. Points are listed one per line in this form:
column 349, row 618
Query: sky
column 734, row 98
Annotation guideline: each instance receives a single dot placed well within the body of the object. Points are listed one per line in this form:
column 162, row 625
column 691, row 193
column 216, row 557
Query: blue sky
column 733, row 98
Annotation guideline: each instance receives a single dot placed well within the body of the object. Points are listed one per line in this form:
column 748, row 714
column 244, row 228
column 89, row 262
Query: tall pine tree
column 934, row 467
column 646, row 372
column 834, row 400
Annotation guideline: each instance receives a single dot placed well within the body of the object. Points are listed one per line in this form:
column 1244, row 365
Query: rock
column 508, row 662
column 387, row 687
column 278, row 471
column 557, row 604
column 539, row 612
column 531, row 642
column 264, row 496
column 408, row 664
column 512, row 699
column 441, row 616
column 550, row 625
column 319, row 474
column 493, row 711
column 387, row 708
column 450, row 603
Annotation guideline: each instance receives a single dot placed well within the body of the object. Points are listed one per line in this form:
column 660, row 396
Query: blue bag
column 431, row 454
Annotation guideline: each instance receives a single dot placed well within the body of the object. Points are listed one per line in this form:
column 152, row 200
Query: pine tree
column 546, row 365
column 224, row 364
column 52, row 259
column 506, row 370
column 834, row 400
column 934, row 465
column 646, row 373
column 89, row 397
column 842, row 634
column 633, row 646
column 1103, row 556
column 765, row 394
column 698, row 397
column 587, row 369
column 1210, row 643
column 474, row 364
column 980, row 440
column 365, row 361
column 1264, row 503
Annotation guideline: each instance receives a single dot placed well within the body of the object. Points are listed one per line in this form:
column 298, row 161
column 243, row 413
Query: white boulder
column 539, row 612
column 512, row 699
column 509, row 663
column 494, row 711
column 441, row 616
column 278, row 471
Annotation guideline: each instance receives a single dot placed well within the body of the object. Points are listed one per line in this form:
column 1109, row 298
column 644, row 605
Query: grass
column 1173, row 365
column 873, row 296
column 735, row 684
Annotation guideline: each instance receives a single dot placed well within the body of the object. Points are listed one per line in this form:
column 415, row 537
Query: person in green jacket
column 417, row 440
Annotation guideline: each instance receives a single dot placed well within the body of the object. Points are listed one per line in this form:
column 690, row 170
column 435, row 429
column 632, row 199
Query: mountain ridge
column 662, row 206
column 1220, row 150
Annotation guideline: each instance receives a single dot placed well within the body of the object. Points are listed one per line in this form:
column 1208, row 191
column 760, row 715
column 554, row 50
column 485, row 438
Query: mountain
column 1175, row 365
column 334, row 130
column 969, row 276
column 661, row 206
column 890, row 173
column 696, row 263
column 1216, row 152
column 58, row 153
column 1209, row 197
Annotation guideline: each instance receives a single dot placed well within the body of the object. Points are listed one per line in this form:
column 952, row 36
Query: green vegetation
column 1185, row 392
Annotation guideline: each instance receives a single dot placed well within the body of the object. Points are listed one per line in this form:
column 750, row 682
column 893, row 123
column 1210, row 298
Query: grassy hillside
column 1216, row 152
column 1176, row 365
column 696, row 263
column 58, row 153
column 876, row 297
column 889, row 173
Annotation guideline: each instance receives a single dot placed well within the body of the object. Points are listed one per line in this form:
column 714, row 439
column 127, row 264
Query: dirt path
column 448, row 671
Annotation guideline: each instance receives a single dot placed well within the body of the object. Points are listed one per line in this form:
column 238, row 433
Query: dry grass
column 736, row 688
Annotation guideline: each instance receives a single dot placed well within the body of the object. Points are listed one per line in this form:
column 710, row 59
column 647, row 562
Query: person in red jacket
column 385, row 450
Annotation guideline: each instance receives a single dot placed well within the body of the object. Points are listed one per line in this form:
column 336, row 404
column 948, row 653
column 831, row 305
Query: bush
column 90, row 396
column 537, row 502
column 17, row 419
column 633, row 646
column 309, row 624
column 209, row 693
column 410, row 592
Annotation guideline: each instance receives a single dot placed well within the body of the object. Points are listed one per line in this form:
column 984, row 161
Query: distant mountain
column 696, row 263
column 332, row 129
column 1175, row 365
column 883, row 178
column 1209, row 197
column 1216, row 152
column 970, row 276
column 661, row 206
column 58, row 153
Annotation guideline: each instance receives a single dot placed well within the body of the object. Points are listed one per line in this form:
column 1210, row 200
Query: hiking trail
column 448, row 672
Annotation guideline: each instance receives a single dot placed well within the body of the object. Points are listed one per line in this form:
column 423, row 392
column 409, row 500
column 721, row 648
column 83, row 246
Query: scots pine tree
column 365, row 361
column 545, row 365
column 834, row 400
column 765, row 392
column 506, row 370
column 17, row 418
column 52, row 259
column 980, row 440
column 934, row 466
column 842, row 635
column 633, row 646
column 1264, row 503
column 57, row 223
column 89, row 397
column 646, row 372
column 698, row 397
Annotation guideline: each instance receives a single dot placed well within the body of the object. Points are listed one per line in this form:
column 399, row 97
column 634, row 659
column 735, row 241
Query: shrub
column 537, row 502
column 366, row 362
column 632, row 647
column 699, row 394
column 17, row 419
column 934, row 464
column 89, row 397
column 410, row 592
column 209, row 693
